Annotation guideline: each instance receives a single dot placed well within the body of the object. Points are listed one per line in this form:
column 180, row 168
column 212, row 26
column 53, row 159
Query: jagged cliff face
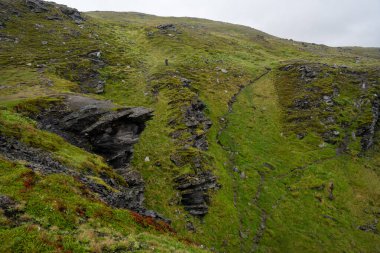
column 130, row 132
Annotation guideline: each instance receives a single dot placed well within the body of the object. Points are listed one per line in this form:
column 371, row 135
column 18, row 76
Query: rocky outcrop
column 112, row 191
column 194, row 187
column 100, row 127
column 192, row 132
column 194, row 190
column 11, row 211
column 370, row 227
column 367, row 132
column 72, row 13
column 39, row 6
column 314, row 103
column 88, row 78
column 194, row 118
column 167, row 27
column 190, row 127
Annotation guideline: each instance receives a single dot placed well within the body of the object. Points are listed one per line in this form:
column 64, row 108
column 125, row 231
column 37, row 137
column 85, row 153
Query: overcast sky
column 330, row 22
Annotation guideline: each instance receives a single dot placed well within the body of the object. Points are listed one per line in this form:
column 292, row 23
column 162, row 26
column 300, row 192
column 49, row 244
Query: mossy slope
column 276, row 188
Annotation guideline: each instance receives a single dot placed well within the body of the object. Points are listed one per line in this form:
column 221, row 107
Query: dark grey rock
column 6, row 202
column 10, row 210
column 367, row 132
column 186, row 82
column 95, row 54
column 98, row 126
column 194, row 191
column 167, row 27
column 302, row 103
column 195, row 118
column 287, row 67
column 308, row 73
column 37, row 6
column 190, row 227
column 300, row 136
column 371, row 227
column 6, row 38
column 54, row 17
column 72, row 13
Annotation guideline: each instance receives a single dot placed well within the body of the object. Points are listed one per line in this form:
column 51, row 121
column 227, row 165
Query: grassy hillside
column 293, row 142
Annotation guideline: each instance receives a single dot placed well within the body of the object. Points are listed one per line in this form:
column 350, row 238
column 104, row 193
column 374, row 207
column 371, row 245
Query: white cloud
column 331, row 22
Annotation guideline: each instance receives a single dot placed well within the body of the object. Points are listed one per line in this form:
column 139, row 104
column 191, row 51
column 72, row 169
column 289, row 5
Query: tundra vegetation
column 126, row 132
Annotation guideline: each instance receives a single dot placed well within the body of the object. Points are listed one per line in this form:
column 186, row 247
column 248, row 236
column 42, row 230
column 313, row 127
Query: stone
column 190, row 226
column 54, row 17
column 37, row 6
column 170, row 27
column 194, row 117
column 194, row 191
column 370, row 227
column 38, row 26
column 300, row 136
column 10, row 209
column 6, row 38
column 302, row 103
column 72, row 13
column 367, row 131
column 307, row 73
column 186, row 82
column 328, row 100
column 95, row 54
column 6, row 202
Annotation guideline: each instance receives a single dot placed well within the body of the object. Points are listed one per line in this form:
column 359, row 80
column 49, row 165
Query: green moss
column 262, row 129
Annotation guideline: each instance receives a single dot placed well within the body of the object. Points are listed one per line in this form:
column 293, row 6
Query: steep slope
column 256, row 144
